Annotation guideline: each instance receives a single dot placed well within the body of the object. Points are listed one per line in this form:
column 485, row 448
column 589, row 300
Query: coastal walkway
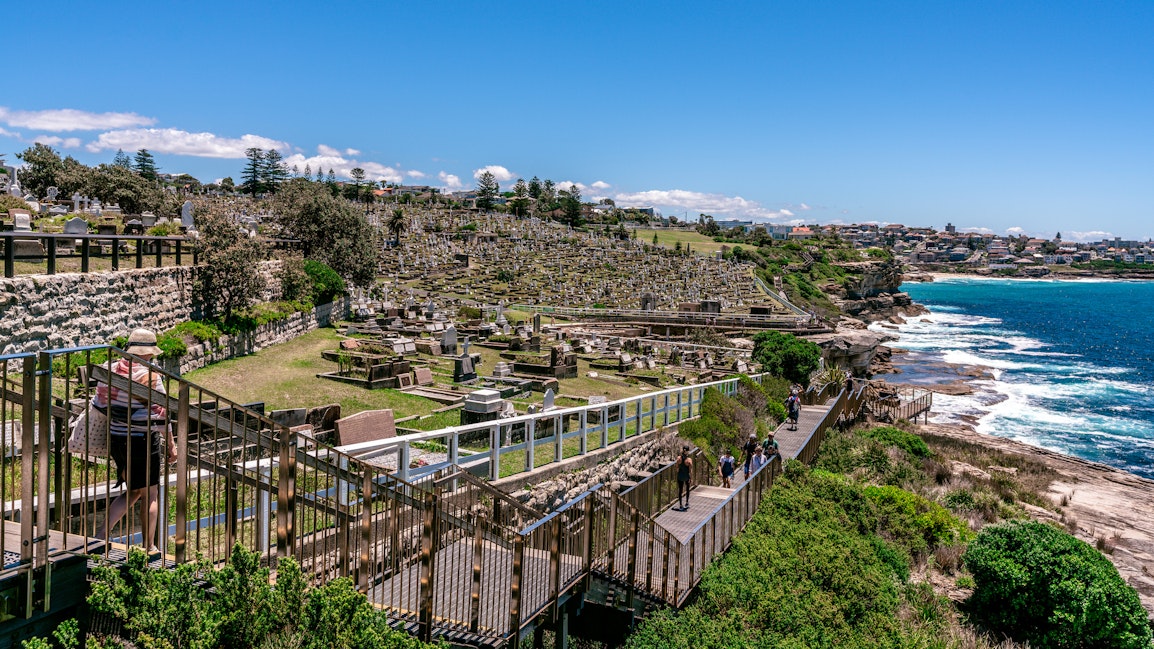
column 440, row 550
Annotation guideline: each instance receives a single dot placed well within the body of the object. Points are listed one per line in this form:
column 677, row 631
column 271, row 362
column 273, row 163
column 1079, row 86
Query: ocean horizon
column 1067, row 365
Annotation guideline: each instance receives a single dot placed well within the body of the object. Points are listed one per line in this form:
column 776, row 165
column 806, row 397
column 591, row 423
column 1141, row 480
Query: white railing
column 505, row 447
column 777, row 297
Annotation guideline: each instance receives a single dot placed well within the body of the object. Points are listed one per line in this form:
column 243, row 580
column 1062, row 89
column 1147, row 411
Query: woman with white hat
column 138, row 431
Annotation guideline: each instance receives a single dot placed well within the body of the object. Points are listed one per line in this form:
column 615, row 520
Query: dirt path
column 1101, row 502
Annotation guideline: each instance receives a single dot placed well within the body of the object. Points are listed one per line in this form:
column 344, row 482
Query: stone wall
column 264, row 336
column 74, row 309
column 624, row 470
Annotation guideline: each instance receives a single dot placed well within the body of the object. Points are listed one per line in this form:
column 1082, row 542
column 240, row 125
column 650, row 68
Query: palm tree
column 397, row 224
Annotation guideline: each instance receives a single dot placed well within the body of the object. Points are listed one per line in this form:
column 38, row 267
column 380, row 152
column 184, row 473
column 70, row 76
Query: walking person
column 759, row 460
column 793, row 408
column 726, row 466
column 684, row 467
column 138, row 434
column 770, row 447
column 747, row 452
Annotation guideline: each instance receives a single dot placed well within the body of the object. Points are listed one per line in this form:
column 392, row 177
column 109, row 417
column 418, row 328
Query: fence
column 52, row 248
column 505, row 447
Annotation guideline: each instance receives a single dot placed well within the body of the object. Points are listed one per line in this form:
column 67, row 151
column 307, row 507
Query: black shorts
column 146, row 456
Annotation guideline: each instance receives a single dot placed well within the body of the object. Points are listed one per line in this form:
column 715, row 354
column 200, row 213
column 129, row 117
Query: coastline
column 1108, row 507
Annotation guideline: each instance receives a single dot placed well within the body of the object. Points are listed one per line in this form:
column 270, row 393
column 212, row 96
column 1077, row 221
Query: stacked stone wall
column 74, row 309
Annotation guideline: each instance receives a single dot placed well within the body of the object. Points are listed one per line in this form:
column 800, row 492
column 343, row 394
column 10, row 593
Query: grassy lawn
column 284, row 376
column 669, row 238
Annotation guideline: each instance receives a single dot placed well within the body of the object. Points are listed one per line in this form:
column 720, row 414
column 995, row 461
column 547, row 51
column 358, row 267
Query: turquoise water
column 1070, row 363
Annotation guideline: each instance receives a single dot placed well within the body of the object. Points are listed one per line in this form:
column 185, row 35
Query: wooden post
column 428, row 554
column 139, row 252
column 364, row 568
column 515, row 588
column 51, row 255
column 182, row 412
column 478, row 559
column 116, row 255
column 286, row 493
column 178, row 252
column 530, row 444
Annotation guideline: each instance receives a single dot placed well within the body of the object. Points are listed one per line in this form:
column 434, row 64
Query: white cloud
column 330, row 158
column 501, row 174
column 55, row 140
column 803, row 207
column 600, row 185
column 413, row 173
column 1083, row 237
column 452, row 182
column 976, row 230
column 352, row 152
column 1015, row 231
column 6, row 133
column 564, row 185
column 701, row 203
column 177, row 142
column 68, row 119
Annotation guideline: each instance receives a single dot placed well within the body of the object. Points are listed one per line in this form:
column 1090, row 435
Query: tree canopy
column 487, row 190
column 786, row 355
column 330, row 229
column 226, row 282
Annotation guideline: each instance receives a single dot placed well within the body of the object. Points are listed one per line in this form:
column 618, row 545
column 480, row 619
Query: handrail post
column 555, row 567
column 28, row 426
column 587, row 540
column 558, row 439
column 530, row 444
column 115, row 255
column 139, row 252
column 286, row 493
column 51, row 255
column 631, row 574
column 515, row 588
column 428, row 554
column 478, row 561
column 159, row 252
column 178, row 252
column 85, row 253
column 366, row 529
column 584, row 442
column 494, row 452
column 43, row 451
column 182, row 413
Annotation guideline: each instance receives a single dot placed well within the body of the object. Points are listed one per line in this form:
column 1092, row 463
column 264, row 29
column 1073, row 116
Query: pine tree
column 122, row 160
column 487, row 189
column 253, row 171
column 535, row 187
column 308, row 172
column 273, row 171
column 145, row 165
column 520, row 202
column 320, row 175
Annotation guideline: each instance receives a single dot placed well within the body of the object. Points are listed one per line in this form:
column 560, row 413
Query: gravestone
column 22, row 220
column 76, row 202
column 186, row 215
column 463, row 371
column 482, row 405
column 53, row 193
column 134, row 226
column 148, row 219
column 549, row 397
column 323, row 418
column 648, row 302
column 537, row 323
column 367, row 426
column 76, row 225
column 449, row 341
column 423, row 376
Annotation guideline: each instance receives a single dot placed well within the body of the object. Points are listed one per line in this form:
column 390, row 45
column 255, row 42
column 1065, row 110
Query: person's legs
column 151, row 509
column 117, row 509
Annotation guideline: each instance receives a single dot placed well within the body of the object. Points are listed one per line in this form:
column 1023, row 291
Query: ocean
column 1066, row 365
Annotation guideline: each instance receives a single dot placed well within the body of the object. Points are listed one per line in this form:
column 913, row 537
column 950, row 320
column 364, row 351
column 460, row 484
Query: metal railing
column 505, row 447
column 56, row 247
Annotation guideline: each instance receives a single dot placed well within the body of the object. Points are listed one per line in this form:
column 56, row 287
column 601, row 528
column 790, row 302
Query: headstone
column 537, row 323
column 186, row 214
column 449, row 341
column 22, row 220
column 423, row 376
column 463, row 369
column 323, row 418
column 53, row 193
column 76, row 225
column 133, row 226
column 76, row 202
column 148, row 219
column 367, row 426
column 549, row 397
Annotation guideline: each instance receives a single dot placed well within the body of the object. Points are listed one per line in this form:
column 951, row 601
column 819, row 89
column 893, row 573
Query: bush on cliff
column 786, row 355
column 1041, row 585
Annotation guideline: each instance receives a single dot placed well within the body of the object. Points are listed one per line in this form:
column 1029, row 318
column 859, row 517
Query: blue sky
column 1007, row 116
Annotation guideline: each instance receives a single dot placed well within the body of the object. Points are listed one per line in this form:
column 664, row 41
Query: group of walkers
column 754, row 455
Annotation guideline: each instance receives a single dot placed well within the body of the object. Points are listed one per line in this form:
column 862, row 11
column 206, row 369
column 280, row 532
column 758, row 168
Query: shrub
column 9, row 202
column 891, row 436
column 200, row 331
column 295, row 283
column 326, row 283
column 912, row 521
column 1040, row 585
column 786, row 355
column 163, row 230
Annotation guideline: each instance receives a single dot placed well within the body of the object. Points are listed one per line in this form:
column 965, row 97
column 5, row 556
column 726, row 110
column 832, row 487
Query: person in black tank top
column 684, row 465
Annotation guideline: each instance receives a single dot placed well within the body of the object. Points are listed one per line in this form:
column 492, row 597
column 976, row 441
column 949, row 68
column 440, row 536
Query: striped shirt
column 120, row 411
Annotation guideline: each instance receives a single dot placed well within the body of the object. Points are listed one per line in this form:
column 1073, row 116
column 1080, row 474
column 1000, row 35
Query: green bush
column 469, row 312
column 1041, row 585
column 786, row 355
column 295, row 284
column 193, row 605
column 908, row 442
column 326, row 283
column 203, row 332
column 163, row 230
column 915, row 523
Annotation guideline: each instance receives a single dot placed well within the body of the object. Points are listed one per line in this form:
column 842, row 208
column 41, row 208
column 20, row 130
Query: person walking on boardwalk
column 759, row 460
column 726, row 466
column 747, row 453
column 793, row 407
column 684, row 465
column 770, row 447
column 138, row 434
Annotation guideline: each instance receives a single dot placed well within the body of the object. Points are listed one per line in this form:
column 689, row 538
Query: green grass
column 669, row 238
column 284, row 376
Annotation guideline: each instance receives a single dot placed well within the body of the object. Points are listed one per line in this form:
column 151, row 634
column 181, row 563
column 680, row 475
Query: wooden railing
column 440, row 550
